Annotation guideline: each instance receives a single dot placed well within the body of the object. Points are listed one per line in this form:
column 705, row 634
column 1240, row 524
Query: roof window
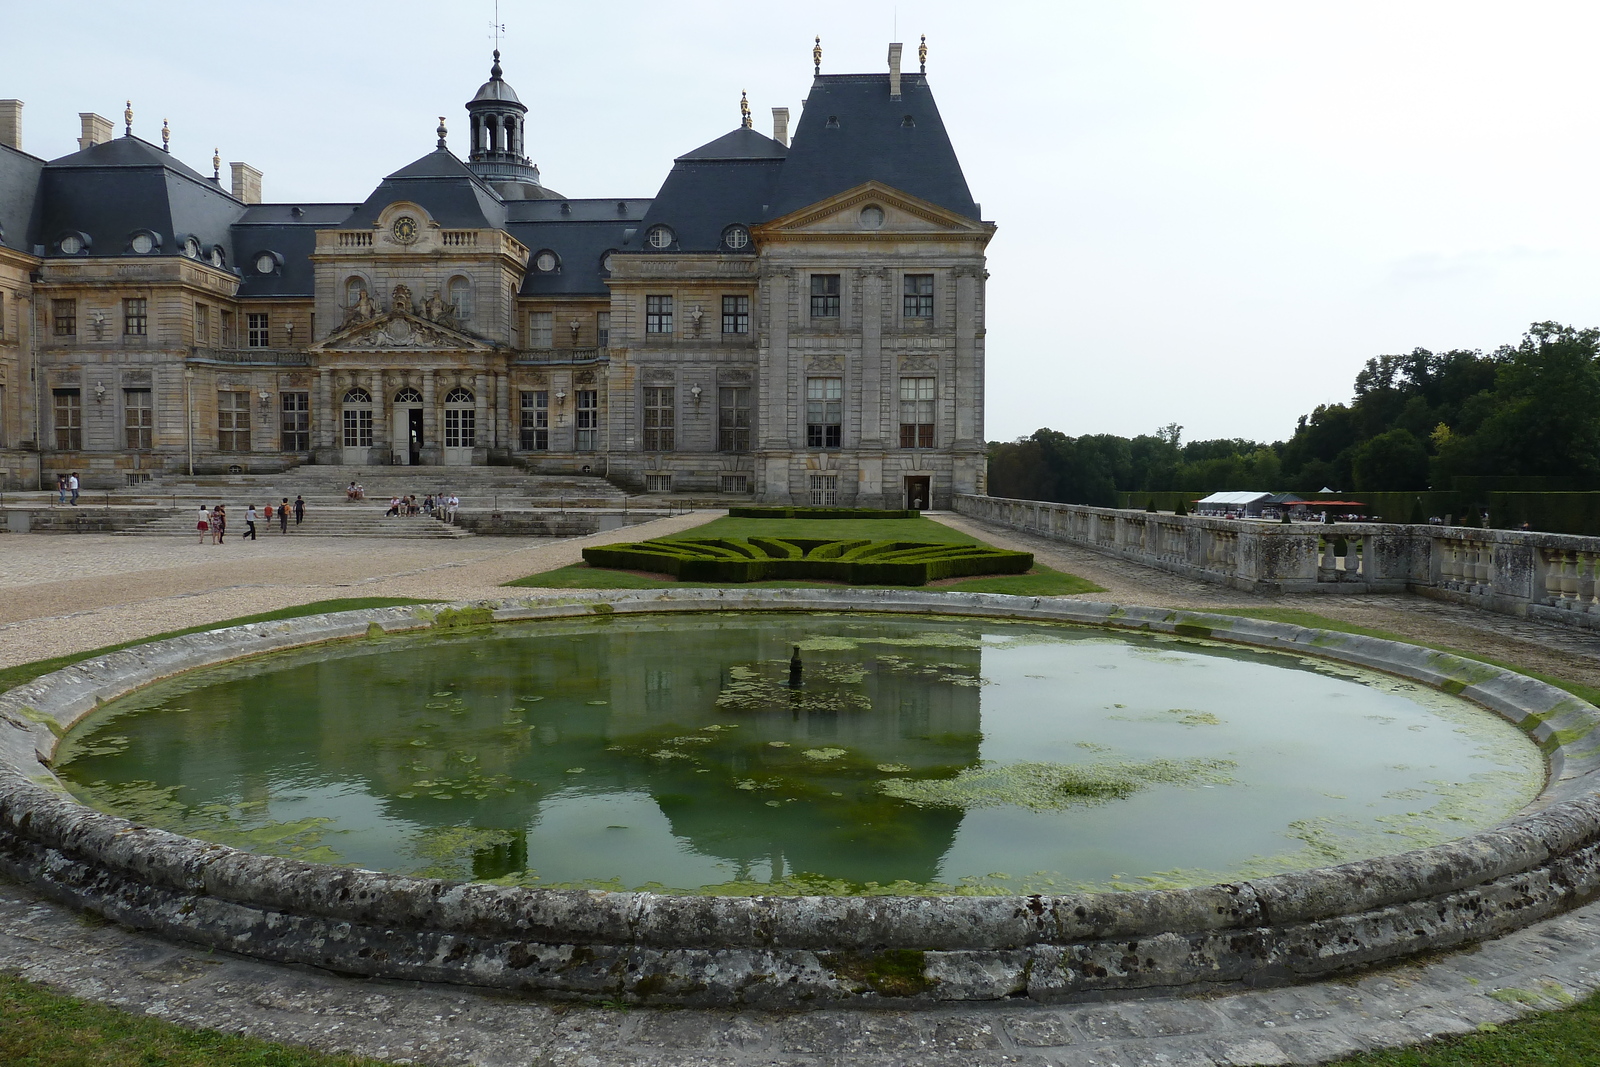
column 833, row 122
column 736, row 237
column 546, row 261
column 660, row 237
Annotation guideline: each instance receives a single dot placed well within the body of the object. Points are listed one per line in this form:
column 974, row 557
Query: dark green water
column 919, row 755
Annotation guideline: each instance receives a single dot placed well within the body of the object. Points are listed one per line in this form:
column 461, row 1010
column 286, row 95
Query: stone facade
column 830, row 353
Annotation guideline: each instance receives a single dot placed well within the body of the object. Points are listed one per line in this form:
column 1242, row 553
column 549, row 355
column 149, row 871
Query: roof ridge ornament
column 816, row 55
column 127, row 118
column 744, row 109
column 166, row 136
column 922, row 53
column 495, row 72
column 441, row 131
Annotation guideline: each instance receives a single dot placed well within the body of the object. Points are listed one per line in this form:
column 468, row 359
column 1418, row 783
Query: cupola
column 496, row 120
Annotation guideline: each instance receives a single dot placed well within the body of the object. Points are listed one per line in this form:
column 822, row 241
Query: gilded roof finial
column 216, row 164
column 166, row 136
column 441, row 131
column 922, row 53
column 816, row 55
column 744, row 109
column 127, row 117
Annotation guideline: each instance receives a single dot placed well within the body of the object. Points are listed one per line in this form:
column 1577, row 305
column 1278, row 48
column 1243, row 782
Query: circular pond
column 917, row 755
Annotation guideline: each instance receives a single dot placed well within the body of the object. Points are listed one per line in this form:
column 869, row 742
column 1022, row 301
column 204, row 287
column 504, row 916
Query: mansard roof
column 19, row 192
column 113, row 190
column 444, row 187
column 701, row 198
column 290, row 231
column 743, row 143
column 852, row 132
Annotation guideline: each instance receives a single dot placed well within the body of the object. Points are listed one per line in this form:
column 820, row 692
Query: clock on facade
column 404, row 229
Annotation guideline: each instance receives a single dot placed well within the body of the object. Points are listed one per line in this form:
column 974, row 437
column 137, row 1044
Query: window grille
column 659, row 419
column 66, row 317
column 916, row 412
column 736, row 314
column 824, row 412
column 536, row 420
column 136, row 316
column 733, row 418
column 917, row 303
column 588, row 408
column 69, row 419
column 824, row 489
column 658, row 314
column 296, row 411
column 824, row 296
column 233, row 421
column 258, row 333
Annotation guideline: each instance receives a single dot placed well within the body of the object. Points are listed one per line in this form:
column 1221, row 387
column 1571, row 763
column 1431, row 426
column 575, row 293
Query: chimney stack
column 246, row 183
column 894, row 71
column 96, row 130
column 11, row 123
column 780, row 125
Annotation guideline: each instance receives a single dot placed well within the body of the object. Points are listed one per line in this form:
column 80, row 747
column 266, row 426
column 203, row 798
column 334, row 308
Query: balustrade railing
column 270, row 357
column 1569, row 580
column 355, row 239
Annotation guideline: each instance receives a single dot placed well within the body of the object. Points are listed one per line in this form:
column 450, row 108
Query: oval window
column 216, row 257
column 660, row 237
column 736, row 237
column 265, row 264
column 142, row 243
column 191, row 248
column 605, row 262
column 71, row 245
column 546, row 261
column 871, row 217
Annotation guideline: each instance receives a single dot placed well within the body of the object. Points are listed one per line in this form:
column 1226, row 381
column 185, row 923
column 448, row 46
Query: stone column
column 967, row 394
column 877, row 370
column 382, row 425
column 480, row 403
column 324, row 416
column 502, row 411
column 430, row 417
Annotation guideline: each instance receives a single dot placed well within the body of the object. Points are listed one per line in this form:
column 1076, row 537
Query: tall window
column 736, row 314
column 66, row 317
column 659, row 419
column 202, row 325
column 658, row 314
column 824, row 296
column 824, row 489
column 917, row 303
column 227, row 329
column 353, row 288
column 536, row 420
column 541, row 329
column 916, row 412
column 69, row 419
column 258, row 332
column 588, row 420
column 296, row 410
column 602, row 328
column 233, row 421
column 138, row 418
column 357, row 419
column 135, row 316
column 460, row 419
column 733, row 418
column 461, row 299
column 824, row 412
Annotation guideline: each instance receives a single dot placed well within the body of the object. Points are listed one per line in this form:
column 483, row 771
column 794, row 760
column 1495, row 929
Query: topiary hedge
column 821, row 513
column 858, row 562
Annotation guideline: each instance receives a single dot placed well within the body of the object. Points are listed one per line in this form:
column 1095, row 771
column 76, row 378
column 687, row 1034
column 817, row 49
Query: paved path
column 61, row 594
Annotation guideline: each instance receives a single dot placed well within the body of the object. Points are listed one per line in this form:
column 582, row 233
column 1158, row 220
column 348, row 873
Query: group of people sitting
column 437, row 507
column 355, row 492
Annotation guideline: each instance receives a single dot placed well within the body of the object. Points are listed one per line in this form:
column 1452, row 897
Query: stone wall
column 1551, row 577
column 803, row 950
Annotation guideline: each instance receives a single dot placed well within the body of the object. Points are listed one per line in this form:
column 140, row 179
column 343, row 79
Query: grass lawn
column 10, row 677
column 1039, row 581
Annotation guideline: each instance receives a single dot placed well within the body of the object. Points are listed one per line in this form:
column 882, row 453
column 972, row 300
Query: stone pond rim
column 796, row 951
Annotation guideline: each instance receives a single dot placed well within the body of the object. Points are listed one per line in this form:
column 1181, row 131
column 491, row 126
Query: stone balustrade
column 1552, row 577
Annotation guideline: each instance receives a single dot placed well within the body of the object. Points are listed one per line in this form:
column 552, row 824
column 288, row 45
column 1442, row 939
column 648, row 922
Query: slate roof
column 19, row 192
column 111, row 190
column 851, row 133
column 441, row 183
column 580, row 237
column 743, row 143
column 289, row 230
column 701, row 199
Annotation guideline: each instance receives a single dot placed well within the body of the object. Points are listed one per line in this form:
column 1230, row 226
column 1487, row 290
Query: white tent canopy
column 1234, row 499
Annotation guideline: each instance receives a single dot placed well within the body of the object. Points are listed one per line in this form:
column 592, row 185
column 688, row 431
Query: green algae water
column 918, row 755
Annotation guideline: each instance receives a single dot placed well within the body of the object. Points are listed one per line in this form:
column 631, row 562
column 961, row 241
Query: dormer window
column 191, row 248
column 266, row 262
column 659, row 237
column 71, row 244
column 142, row 244
column 218, row 260
column 736, row 237
column 546, row 261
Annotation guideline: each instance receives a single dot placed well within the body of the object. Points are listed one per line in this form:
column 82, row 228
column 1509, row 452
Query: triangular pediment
column 848, row 213
column 399, row 331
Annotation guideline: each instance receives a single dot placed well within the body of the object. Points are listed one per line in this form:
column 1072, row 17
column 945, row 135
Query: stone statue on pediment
column 361, row 311
column 433, row 306
column 401, row 300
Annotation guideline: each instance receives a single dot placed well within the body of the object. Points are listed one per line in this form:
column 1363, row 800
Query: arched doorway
column 408, row 427
column 460, row 427
column 357, row 427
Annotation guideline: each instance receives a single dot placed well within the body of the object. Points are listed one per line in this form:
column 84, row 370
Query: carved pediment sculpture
column 399, row 330
column 363, row 310
column 400, row 300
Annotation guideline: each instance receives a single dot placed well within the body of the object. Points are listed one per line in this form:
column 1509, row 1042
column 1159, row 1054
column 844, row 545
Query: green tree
column 1390, row 461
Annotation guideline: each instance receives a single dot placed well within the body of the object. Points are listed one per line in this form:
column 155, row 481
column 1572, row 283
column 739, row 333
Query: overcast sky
column 1209, row 213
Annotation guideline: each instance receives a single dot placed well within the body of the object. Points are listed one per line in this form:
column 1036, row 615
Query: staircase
column 365, row 521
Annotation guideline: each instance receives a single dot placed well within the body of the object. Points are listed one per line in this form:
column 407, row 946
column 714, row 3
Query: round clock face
column 404, row 229
column 265, row 263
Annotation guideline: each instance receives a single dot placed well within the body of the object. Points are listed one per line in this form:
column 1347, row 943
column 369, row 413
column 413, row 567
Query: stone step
column 324, row 524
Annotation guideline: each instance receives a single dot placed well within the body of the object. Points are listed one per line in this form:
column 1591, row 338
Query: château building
column 798, row 320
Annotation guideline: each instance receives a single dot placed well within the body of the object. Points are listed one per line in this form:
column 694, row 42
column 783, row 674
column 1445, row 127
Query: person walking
column 72, row 487
column 61, row 490
column 299, row 509
column 219, row 523
column 250, row 523
column 266, row 515
column 204, row 525
column 283, row 516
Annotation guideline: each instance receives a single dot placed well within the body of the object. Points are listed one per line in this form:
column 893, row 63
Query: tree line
column 1527, row 413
